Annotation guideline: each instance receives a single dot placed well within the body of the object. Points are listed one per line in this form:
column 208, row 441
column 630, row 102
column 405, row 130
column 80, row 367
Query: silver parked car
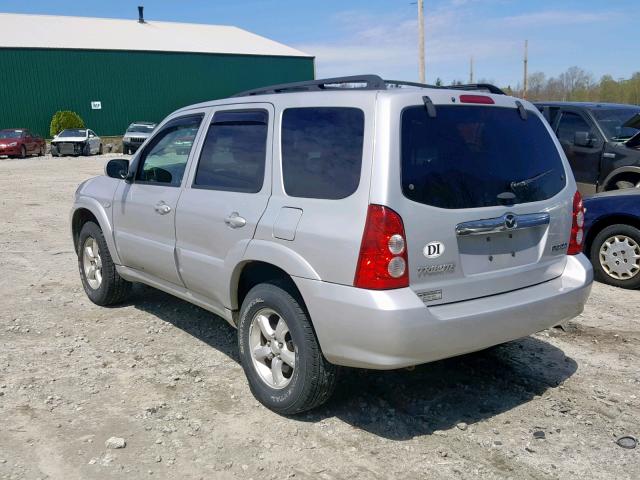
column 343, row 222
column 136, row 134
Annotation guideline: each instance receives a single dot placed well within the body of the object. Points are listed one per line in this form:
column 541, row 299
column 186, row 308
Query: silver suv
column 351, row 221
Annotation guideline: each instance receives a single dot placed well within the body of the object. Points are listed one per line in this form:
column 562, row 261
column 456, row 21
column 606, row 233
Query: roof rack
column 371, row 82
column 368, row 82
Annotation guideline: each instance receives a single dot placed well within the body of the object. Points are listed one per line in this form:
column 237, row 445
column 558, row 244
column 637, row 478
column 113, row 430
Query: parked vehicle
column 323, row 250
column 612, row 237
column 76, row 141
column 601, row 141
column 20, row 142
column 136, row 135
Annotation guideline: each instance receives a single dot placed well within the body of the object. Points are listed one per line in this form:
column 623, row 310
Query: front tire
column 615, row 255
column 102, row 283
column 23, row 152
column 279, row 352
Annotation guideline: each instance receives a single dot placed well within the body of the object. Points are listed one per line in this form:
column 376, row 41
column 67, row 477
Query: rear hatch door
column 484, row 198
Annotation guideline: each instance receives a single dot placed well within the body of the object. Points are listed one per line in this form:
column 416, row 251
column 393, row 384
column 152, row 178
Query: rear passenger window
column 234, row 152
column 322, row 151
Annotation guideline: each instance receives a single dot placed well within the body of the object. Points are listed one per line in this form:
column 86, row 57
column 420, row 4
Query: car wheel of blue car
column 615, row 254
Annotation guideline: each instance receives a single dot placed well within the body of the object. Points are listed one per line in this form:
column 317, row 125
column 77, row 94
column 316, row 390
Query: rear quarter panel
column 329, row 232
column 607, row 209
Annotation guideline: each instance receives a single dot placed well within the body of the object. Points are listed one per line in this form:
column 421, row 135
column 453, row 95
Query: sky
column 380, row 36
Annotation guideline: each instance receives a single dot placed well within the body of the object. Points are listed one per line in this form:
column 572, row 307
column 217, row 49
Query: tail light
column 382, row 264
column 577, row 226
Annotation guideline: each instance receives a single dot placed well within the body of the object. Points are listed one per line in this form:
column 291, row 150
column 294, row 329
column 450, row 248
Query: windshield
column 136, row 128
column 611, row 121
column 73, row 132
column 466, row 157
column 10, row 133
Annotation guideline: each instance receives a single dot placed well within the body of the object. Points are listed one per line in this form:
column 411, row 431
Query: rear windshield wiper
column 527, row 181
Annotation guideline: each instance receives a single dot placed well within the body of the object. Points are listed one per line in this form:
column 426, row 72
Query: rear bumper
column 394, row 329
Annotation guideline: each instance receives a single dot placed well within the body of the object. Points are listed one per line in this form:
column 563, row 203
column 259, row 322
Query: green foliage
column 63, row 120
column 578, row 85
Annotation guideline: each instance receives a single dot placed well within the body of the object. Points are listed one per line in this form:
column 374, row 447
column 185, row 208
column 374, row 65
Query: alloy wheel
column 273, row 352
column 92, row 262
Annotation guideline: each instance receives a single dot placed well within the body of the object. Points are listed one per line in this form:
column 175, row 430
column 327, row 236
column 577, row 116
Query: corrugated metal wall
column 132, row 86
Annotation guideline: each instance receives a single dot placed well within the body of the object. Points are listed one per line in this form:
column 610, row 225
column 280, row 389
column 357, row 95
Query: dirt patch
column 163, row 375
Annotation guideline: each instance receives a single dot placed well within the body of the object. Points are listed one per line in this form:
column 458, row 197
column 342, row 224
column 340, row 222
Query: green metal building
column 113, row 72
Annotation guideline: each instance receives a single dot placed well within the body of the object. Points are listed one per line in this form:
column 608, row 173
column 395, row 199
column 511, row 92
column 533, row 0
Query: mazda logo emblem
column 510, row 221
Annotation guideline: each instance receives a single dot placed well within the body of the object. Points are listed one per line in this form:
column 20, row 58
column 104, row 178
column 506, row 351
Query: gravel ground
column 153, row 388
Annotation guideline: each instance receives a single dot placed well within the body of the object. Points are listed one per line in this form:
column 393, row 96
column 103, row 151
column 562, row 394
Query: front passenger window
column 165, row 158
column 570, row 123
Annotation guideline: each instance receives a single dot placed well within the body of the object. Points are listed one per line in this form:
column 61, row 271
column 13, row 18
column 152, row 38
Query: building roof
column 84, row 33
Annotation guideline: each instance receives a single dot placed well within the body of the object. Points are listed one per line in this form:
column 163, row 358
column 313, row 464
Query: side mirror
column 117, row 168
column 583, row 139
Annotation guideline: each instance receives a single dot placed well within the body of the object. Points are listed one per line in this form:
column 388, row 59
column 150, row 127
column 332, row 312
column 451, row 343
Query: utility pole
column 526, row 66
column 421, row 66
column 471, row 70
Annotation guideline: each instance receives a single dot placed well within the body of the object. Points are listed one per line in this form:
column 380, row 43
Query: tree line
column 574, row 85
column 578, row 85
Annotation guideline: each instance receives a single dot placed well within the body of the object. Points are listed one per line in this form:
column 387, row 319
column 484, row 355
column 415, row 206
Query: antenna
column 471, row 70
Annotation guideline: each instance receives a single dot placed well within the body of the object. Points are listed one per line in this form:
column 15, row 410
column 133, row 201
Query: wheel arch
column 273, row 259
column 604, row 222
column 253, row 272
column 89, row 209
column 620, row 172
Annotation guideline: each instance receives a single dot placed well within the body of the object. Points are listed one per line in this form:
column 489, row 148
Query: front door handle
column 235, row 220
column 162, row 208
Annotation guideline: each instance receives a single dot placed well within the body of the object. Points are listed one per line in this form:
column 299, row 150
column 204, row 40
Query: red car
column 20, row 142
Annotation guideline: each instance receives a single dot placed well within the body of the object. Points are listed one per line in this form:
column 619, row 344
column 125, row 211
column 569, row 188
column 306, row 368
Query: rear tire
column 293, row 389
column 102, row 283
column 41, row 152
column 617, row 243
column 100, row 150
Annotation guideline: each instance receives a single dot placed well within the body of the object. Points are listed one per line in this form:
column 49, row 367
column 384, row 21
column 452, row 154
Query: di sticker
column 433, row 249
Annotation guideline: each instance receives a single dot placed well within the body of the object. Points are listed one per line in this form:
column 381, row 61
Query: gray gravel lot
column 162, row 377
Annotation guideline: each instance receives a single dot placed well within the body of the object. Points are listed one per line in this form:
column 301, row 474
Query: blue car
column 612, row 237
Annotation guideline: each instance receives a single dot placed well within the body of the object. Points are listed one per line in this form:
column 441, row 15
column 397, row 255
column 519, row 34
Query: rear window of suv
column 322, row 151
column 466, row 156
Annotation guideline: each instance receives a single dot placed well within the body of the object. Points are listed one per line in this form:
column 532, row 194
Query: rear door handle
column 235, row 220
column 162, row 208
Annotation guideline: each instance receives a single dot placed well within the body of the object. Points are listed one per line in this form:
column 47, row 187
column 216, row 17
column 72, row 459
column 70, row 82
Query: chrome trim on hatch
column 506, row 223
